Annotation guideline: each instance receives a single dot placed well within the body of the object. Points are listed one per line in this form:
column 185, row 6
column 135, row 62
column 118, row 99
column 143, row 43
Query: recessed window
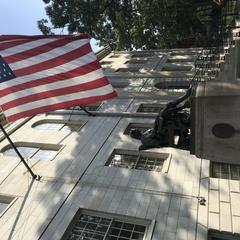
column 148, row 161
column 225, row 171
column 217, row 235
column 106, row 62
column 115, row 56
column 58, row 125
column 137, row 61
column 93, row 107
column 96, row 225
column 120, row 84
column 33, row 152
column 181, row 59
column 139, row 126
column 143, row 54
column 173, row 85
column 131, row 69
column 150, row 108
column 53, row 127
column 175, row 68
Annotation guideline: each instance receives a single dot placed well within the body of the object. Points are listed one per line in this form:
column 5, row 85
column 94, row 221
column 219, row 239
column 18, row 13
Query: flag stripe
column 83, row 50
column 63, row 98
column 38, row 57
column 67, row 104
column 37, row 37
column 39, row 49
column 57, row 85
column 9, row 44
column 23, row 47
column 51, row 79
column 56, row 92
column 52, row 72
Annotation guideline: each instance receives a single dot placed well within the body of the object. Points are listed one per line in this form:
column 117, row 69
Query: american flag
column 39, row 74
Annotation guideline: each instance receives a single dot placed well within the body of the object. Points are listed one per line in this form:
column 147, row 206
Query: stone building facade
column 95, row 184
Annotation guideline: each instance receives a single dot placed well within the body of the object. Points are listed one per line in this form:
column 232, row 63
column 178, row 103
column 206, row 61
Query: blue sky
column 21, row 16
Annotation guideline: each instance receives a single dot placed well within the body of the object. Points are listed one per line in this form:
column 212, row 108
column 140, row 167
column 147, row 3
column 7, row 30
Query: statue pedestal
column 215, row 127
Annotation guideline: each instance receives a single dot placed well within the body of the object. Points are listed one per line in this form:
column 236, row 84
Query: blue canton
column 5, row 71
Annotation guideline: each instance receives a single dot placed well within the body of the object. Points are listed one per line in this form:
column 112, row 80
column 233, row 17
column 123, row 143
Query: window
column 140, row 126
column 33, row 151
column 135, row 65
column 95, row 225
column 147, row 161
column 150, row 108
column 130, row 69
column 177, row 68
column 137, row 61
column 5, row 202
column 225, row 171
column 217, row 235
column 181, row 59
column 144, row 54
column 172, row 85
column 58, row 125
column 120, row 84
column 106, row 62
column 115, row 56
column 92, row 107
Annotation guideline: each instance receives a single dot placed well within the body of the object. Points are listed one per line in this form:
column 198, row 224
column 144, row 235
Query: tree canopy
column 133, row 24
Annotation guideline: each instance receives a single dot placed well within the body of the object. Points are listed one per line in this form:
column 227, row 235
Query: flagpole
column 34, row 176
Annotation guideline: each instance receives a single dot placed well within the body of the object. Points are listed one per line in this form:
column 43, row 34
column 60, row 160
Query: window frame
column 145, row 54
column 172, row 85
column 149, row 105
column 177, row 68
column 137, row 61
column 149, row 224
column 40, row 146
column 128, row 70
column 222, row 235
column 165, row 157
column 229, row 170
column 75, row 126
column 137, row 125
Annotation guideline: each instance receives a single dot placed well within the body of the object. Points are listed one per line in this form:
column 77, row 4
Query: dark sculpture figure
column 172, row 121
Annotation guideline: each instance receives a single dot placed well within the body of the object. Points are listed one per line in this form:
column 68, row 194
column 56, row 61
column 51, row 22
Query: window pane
column 150, row 108
column 135, row 161
column 235, row 172
column 123, row 160
column 32, row 152
column 26, row 152
column 50, row 126
column 93, row 227
column 126, row 231
column 216, row 170
column 137, row 126
column 66, row 129
column 10, row 152
column 90, row 227
column 225, row 171
column 3, row 206
column 43, row 154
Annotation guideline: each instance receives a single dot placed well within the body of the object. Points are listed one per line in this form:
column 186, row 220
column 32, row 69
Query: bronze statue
column 172, row 121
